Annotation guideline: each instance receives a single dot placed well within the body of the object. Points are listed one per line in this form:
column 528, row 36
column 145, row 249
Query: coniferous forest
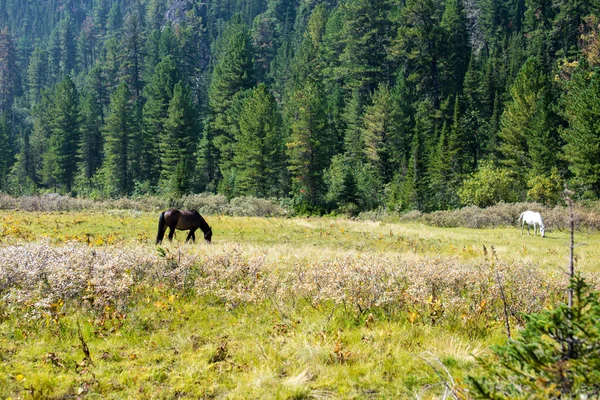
column 331, row 105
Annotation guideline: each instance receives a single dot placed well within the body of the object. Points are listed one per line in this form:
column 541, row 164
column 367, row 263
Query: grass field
column 274, row 308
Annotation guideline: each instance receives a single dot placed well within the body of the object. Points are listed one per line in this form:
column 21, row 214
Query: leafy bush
column 557, row 355
column 488, row 186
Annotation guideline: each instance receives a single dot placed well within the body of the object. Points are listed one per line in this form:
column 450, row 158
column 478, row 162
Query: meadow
column 274, row 308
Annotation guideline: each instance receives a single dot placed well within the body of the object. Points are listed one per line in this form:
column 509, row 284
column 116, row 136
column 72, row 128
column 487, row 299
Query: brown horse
column 183, row 221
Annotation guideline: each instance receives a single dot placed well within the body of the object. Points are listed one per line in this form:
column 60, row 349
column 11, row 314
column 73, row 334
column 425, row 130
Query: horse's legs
column 191, row 235
column 171, row 233
column 161, row 235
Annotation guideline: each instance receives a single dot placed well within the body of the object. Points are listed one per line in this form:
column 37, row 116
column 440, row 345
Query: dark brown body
column 182, row 221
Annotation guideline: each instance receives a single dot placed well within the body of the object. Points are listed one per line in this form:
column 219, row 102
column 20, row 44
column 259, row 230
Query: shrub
column 488, row 186
column 206, row 203
column 557, row 355
column 252, row 206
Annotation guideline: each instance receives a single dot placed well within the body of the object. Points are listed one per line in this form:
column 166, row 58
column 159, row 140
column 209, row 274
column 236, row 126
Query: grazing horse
column 183, row 221
column 531, row 218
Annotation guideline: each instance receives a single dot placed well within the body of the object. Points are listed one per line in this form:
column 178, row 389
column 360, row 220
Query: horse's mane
column 203, row 224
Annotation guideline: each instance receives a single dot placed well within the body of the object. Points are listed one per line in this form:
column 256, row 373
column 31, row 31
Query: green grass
column 165, row 343
column 311, row 236
column 191, row 348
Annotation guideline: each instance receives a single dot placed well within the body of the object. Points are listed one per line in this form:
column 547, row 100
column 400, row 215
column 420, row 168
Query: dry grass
column 275, row 308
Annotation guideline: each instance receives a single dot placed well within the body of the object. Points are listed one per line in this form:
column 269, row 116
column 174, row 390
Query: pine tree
column 90, row 148
column 6, row 153
column 332, row 47
column 114, row 22
column 380, row 133
column 265, row 34
column 526, row 121
column 440, row 173
column 42, row 120
column 258, row 150
column 21, row 180
column 60, row 160
column 68, row 46
column 353, row 140
column 116, row 169
column 159, row 93
column 232, row 74
column 366, row 33
column 457, row 54
column 133, row 57
column 419, row 46
column 54, row 56
column 9, row 75
column 37, row 74
column 582, row 136
column 178, row 142
column 310, row 145
column 156, row 14
column 414, row 194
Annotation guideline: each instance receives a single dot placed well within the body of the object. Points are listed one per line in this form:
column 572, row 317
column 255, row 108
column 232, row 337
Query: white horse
column 531, row 218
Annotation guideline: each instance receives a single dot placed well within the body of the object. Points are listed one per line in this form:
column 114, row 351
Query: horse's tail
column 161, row 228
column 520, row 217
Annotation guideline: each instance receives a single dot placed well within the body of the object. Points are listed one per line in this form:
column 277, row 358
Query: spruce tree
column 158, row 93
column 258, row 150
column 9, row 75
column 116, row 169
column 178, row 142
column 526, row 121
column 380, row 133
column 581, row 105
column 457, row 48
column 90, row 148
column 133, row 57
column 37, row 74
column 60, row 160
column 233, row 73
column 310, row 145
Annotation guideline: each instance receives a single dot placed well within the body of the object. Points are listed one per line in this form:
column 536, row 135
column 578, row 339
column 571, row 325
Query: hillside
column 347, row 106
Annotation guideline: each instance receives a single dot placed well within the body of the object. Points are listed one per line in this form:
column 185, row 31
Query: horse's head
column 208, row 234
column 542, row 230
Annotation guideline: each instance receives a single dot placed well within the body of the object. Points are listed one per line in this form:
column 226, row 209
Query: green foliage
column 60, row 160
column 488, row 186
column 582, row 136
column 385, row 72
column 118, row 131
column 258, row 149
column 555, row 356
column 310, row 144
column 546, row 189
column 528, row 136
column 177, row 143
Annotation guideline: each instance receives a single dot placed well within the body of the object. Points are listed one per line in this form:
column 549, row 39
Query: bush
column 206, row 203
column 252, row 206
column 488, row 186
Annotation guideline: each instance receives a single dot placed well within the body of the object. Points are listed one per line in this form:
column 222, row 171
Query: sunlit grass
column 289, row 238
column 166, row 341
